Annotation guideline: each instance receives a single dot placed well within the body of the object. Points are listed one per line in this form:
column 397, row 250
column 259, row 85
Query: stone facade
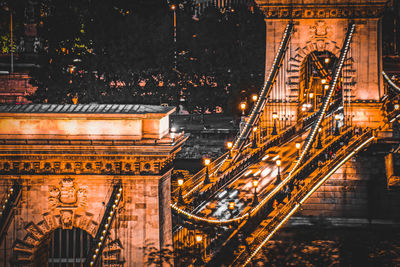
column 357, row 190
column 67, row 168
column 321, row 26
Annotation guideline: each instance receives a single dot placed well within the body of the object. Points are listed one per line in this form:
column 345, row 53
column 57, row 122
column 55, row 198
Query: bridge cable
column 327, row 99
column 263, row 95
column 316, row 124
column 314, row 188
column 103, row 231
column 8, row 209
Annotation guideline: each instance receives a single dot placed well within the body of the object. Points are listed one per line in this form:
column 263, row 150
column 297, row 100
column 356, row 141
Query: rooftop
column 86, row 108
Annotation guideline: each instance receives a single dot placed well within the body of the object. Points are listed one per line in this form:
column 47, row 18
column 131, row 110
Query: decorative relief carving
column 35, row 233
column 67, row 221
column 67, row 195
column 334, row 11
column 319, row 30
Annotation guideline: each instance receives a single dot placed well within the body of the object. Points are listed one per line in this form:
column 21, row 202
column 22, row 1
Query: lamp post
column 319, row 142
column 199, row 240
column 180, row 197
column 255, row 198
column 298, row 146
column 254, row 97
column 173, row 8
column 231, row 207
column 207, row 178
column 274, row 117
column 278, row 177
column 311, row 95
column 337, row 130
column 243, row 107
column 254, row 144
column 229, row 146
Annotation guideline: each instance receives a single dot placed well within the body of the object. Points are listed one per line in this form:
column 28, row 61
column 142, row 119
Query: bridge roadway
column 263, row 231
column 301, row 182
column 241, row 189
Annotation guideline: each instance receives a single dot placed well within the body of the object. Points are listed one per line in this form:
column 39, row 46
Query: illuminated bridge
column 89, row 185
column 325, row 99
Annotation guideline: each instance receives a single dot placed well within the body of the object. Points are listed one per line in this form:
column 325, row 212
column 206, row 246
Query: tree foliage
column 123, row 52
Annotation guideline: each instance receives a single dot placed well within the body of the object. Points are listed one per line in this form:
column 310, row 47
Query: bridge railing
column 258, row 213
column 236, row 169
column 302, row 195
column 196, row 180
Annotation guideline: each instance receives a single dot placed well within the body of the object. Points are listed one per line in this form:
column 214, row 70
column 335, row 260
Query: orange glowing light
column 199, row 238
column 298, row 145
column 207, row 162
column 229, row 145
column 278, row 162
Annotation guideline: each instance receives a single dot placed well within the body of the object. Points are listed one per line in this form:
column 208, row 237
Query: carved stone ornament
column 67, row 195
column 319, row 30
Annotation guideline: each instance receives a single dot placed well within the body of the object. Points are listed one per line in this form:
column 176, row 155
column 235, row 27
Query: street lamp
column 199, row 240
column 254, row 97
column 319, row 143
column 298, row 145
column 180, row 197
column 396, row 106
column 173, row 8
column 337, row 130
column 323, row 81
column 274, row 117
column 243, row 107
column 254, row 144
column 229, row 145
column 278, row 177
column 207, row 178
column 327, row 59
column 231, row 207
column 255, row 198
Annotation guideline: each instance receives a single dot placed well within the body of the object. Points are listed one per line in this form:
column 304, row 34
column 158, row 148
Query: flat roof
column 86, row 108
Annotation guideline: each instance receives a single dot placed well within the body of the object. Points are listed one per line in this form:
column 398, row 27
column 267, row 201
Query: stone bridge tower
column 67, row 158
column 358, row 188
column 320, row 28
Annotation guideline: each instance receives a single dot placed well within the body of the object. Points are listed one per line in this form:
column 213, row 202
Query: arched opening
column 315, row 75
column 63, row 248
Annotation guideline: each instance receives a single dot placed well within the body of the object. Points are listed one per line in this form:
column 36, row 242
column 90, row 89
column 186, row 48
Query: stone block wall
column 51, row 202
column 356, row 190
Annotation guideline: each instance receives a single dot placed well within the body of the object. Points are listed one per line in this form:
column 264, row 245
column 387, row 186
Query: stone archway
column 24, row 250
column 301, row 53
